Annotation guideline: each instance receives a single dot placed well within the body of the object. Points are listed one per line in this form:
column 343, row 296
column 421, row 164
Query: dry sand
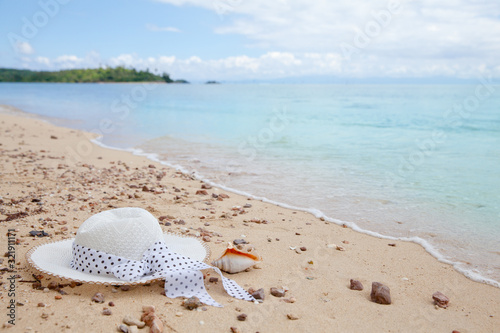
column 55, row 178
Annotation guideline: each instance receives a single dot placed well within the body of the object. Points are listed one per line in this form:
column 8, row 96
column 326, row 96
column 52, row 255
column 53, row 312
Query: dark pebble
column 276, row 292
column 440, row 299
column 242, row 317
column 258, row 294
column 380, row 294
column 356, row 285
column 53, row 285
column 239, row 241
column 38, row 233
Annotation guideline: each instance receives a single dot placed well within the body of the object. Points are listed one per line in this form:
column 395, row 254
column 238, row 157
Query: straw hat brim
column 54, row 259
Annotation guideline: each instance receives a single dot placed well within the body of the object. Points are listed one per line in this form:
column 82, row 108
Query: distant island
column 212, row 82
column 91, row 75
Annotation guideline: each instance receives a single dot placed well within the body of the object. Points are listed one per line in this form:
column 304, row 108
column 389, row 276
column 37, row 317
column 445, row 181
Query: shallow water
column 404, row 161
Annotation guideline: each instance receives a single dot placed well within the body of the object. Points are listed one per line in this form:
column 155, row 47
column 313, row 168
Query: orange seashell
column 236, row 260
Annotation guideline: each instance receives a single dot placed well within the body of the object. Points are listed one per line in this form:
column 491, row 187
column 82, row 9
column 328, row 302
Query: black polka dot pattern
column 183, row 276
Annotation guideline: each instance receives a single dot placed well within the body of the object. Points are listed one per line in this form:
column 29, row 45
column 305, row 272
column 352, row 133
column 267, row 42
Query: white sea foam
column 471, row 274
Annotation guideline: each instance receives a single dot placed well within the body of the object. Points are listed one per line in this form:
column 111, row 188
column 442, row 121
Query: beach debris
column 335, row 246
column 392, row 244
column 440, row 299
column 239, row 241
column 356, row 285
column 151, row 319
column 213, row 280
column 290, row 300
column 206, row 186
column 148, row 309
column 257, row 294
column 58, row 297
column 380, row 294
column 242, row 317
column 131, row 321
column 192, row 303
column 98, row 298
column 125, row 287
column 292, row 316
column 156, row 326
column 53, row 285
column 38, row 233
column 53, row 137
column 179, row 314
column 41, row 305
column 201, row 192
column 122, row 328
column 235, row 329
column 223, row 196
column 247, row 205
column 303, row 248
column 235, row 260
column 106, row 312
column 133, row 329
column 276, row 292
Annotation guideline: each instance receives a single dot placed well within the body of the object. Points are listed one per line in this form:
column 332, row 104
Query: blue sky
column 244, row 40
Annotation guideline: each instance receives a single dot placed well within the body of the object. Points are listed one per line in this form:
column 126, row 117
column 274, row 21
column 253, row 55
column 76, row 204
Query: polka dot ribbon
column 183, row 276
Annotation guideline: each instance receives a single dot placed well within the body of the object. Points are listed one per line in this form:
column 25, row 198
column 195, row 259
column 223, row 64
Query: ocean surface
column 418, row 162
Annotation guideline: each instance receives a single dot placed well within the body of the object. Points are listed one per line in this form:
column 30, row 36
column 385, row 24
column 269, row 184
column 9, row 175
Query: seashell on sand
column 235, row 260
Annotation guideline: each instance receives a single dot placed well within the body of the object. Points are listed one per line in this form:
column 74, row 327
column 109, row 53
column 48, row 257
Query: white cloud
column 272, row 65
column 152, row 27
column 24, row 48
column 396, row 37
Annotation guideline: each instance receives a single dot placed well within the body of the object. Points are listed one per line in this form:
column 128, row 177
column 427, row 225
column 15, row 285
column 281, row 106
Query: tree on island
column 91, row 75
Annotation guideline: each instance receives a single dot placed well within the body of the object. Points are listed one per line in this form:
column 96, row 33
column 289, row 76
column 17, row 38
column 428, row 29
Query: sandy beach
column 53, row 178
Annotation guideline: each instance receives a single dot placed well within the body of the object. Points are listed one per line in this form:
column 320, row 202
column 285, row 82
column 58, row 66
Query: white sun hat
column 127, row 246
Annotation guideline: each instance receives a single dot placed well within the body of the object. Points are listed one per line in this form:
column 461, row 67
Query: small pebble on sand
column 277, row 292
column 380, row 294
column 291, row 316
column 98, row 298
column 192, row 303
column 257, row 294
column 242, row 317
column 131, row 321
column 122, row 328
column 440, row 299
column 356, row 285
column 106, row 312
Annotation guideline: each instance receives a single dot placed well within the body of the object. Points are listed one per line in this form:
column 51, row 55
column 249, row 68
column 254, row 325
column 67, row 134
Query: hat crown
column 125, row 232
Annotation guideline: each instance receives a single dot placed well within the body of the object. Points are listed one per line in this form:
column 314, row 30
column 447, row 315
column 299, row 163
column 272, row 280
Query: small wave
column 471, row 274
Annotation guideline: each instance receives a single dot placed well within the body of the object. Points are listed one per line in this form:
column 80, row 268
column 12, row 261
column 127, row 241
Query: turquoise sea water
column 414, row 161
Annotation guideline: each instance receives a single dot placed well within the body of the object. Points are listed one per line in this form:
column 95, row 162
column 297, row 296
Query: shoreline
column 317, row 213
column 412, row 273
